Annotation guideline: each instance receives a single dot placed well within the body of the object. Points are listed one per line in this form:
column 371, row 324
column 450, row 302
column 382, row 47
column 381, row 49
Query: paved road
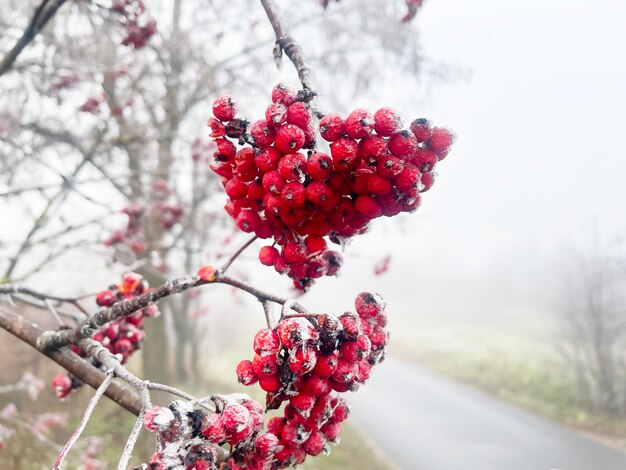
column 425, row 422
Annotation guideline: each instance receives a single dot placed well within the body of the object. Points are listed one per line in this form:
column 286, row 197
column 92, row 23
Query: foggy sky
column 538, row 160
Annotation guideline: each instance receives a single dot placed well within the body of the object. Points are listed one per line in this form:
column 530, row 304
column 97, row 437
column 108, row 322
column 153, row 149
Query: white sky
column 538, row 159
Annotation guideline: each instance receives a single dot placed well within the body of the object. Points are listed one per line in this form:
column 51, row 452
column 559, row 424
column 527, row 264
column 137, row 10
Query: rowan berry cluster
column 165, row 210
column 279, row 185
column 303, row 360
column 122, row 336
column 138, row 29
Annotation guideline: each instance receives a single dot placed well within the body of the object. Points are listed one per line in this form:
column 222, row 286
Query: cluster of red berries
column 92, row 105
column 303, row 360
column 166, row 210
column 138, row 30
column 122, row 336
column 375, row 168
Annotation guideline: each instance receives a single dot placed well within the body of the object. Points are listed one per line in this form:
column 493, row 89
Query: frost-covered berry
column 359, row 124
column 225, row 108
column 331, row 127
column 245, row 373
column 386, row 122
column 289, row 138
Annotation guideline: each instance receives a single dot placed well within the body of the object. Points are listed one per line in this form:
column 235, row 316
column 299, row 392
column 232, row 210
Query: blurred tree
column 98, row 114
column 594, row 324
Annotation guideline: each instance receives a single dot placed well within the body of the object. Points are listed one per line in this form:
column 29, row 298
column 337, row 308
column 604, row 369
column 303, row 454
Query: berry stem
column 289, row 45
column 230, row 260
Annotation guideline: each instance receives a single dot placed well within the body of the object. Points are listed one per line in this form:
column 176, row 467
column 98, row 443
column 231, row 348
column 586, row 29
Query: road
column 425, row 422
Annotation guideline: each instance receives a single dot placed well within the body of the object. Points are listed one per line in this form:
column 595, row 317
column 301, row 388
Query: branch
column 44, row 12
column 85, row 419
column 51, row 340
column 230, row 260
column 289, row 45
column 19, row 327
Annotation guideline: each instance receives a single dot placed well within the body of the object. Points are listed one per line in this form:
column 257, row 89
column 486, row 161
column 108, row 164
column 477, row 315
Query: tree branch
column 289, row 45
column 44, row 12
column 21, row 328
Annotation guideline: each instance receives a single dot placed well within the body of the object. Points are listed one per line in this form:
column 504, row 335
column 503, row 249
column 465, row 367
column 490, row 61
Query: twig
column 134, row 434
column 268, row 313
column 43, row 13
column 83, row 422
column 230, row 260
column 54, row 312
column 291, row 48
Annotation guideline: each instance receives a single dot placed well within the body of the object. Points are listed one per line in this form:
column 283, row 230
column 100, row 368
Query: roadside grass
column 518, row 367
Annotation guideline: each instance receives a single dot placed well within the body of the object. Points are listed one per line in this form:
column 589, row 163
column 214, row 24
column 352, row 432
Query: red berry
column 425, row 160
column 345, row 153
column 289, row 138
column 292, row 166
column 326, row 365
column 372, row 149
column 378, row 185
column 368, row 206
column 294, row 332
column 275, row 425
column 273, row 182
column 267, row 159
column 331, row 127
column 369, row 305
column 224, row 108
column 427, row 181
column 245, row 373
column 106, row 298
column 276, row 114
column 266, row 342
column 236, row 189
column 303, row 360
column 386, row 122
column 262, row 134
column 440, row 140
column 390, row 166
column 265, row 365
column 217, row 128
column 319, row 166
column 314, row 445
column 403, row 144
column 283, row 94
column 293, row 194
column 359, row 124
column 298, row 114
column 421, row 129
column 269, row 383
column 248, row 221
column 268, row 255
column 408, row 179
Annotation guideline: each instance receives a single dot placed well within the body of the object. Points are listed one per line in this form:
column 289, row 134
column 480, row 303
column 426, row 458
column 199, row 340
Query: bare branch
column 19, row 327
column 83, row 422
column 289, row 45
column 44, row 12
column 230, row 260
column 56, row 339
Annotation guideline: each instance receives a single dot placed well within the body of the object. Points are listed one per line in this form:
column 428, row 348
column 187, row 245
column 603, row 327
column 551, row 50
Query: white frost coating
column 182, row 406
column 163, row 418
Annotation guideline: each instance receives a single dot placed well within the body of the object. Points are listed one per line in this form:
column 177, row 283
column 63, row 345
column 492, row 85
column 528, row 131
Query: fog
column 537, row 169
